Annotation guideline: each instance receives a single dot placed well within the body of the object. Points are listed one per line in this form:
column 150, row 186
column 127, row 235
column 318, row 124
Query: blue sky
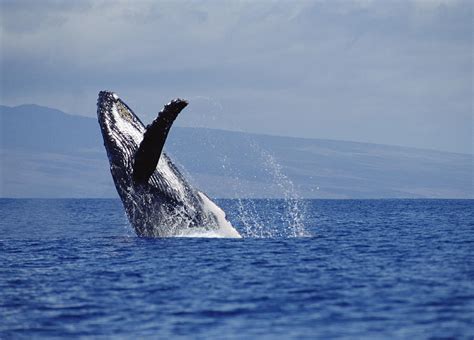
column 391, row 72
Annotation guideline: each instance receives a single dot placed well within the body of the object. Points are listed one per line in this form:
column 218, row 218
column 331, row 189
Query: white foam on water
column 201, row 233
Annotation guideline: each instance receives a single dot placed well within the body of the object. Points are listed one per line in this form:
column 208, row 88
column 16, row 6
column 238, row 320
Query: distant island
column 47, row 153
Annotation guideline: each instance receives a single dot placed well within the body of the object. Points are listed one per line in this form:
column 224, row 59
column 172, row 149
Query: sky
column 387, row 72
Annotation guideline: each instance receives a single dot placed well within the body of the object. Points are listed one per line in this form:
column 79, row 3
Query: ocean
column 305, row 269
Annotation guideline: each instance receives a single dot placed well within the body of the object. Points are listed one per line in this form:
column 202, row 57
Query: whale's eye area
column 123, row 111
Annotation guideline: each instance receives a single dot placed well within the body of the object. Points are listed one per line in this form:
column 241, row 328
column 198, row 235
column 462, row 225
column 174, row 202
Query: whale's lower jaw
column 162, row 204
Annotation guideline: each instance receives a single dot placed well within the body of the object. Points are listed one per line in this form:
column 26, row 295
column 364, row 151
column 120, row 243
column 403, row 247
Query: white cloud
column 309, row 68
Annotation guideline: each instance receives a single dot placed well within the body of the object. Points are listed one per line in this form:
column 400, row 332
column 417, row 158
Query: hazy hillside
column 47, row 153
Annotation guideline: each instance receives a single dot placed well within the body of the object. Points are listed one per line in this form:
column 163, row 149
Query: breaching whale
column 158, row 200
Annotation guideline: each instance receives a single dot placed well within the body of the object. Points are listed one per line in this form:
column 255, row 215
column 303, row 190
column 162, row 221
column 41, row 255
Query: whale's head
column 122, row 131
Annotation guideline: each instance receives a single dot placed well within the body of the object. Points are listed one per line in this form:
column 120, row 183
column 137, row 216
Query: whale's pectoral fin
column 148, row 153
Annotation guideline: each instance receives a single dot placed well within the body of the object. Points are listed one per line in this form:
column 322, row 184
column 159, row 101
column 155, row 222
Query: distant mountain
column 41, row 129
column 48, row 153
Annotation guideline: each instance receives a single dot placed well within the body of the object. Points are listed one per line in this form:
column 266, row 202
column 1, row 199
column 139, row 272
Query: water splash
column 250, row 220
column 253, row 223
column 294, row 216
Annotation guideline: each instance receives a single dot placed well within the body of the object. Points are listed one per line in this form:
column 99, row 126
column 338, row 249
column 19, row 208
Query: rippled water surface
column 375, row 268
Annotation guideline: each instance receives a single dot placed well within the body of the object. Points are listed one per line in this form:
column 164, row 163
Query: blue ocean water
column 366, row 269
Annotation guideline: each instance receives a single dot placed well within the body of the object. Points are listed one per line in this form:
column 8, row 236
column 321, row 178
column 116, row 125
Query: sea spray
column 293, row 218
column 289, row 220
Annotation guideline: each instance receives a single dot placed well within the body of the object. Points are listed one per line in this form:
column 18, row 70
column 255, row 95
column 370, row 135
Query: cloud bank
column 393, row 72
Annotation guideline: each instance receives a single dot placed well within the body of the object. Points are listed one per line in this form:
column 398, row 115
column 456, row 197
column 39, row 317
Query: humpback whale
column 157, row 199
